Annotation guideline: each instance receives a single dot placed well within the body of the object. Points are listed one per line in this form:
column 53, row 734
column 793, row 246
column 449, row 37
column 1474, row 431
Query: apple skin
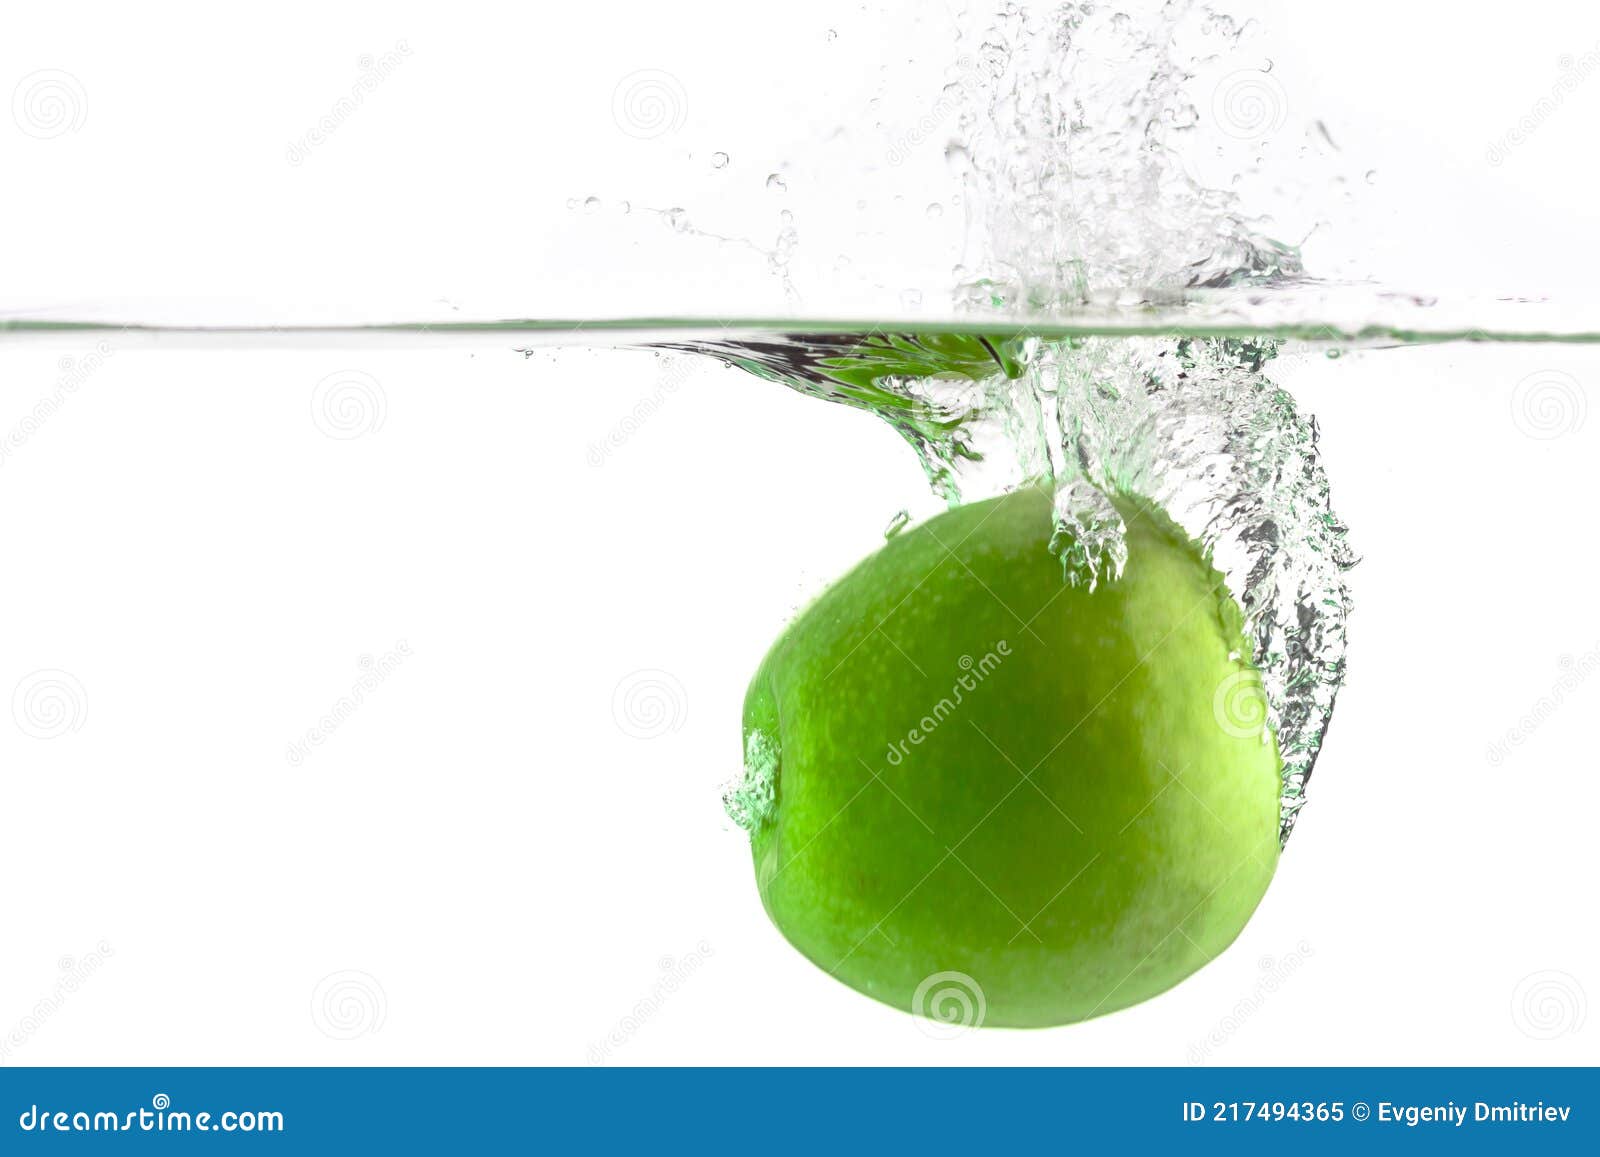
column 985, row 777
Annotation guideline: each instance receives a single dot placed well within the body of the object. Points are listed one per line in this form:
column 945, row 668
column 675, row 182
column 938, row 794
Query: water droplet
column 776, row 184
column 572, row 202
column 911, row 299
column 1372, row 176
column 719, row 160
column 591, row 204
column 833, row 34
column 677, row 220
column 935, row 210
column 897, row 524
column 625, row 207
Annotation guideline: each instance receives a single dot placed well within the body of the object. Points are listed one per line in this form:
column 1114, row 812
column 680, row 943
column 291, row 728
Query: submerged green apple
column 966, row 775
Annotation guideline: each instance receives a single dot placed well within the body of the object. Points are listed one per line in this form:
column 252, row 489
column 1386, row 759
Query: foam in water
column 1078, row 135
column 1195, row 425
column 1071, row 154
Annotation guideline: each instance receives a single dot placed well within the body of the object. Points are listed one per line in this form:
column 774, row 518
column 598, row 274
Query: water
column 1185, row 405
column 1195, row 424
column 1198, row 422
column 1118, row 325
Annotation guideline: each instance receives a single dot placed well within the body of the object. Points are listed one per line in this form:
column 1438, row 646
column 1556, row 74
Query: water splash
column 1195, row 425
column 1074, row 168
column 1199, row 427
column 751, row 795
column 926, row 386
column 1079, row 133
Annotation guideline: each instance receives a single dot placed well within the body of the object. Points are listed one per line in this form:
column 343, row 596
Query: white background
column 482, row 864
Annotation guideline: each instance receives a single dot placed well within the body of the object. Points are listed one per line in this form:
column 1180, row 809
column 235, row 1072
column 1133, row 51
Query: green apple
column 983, row 794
